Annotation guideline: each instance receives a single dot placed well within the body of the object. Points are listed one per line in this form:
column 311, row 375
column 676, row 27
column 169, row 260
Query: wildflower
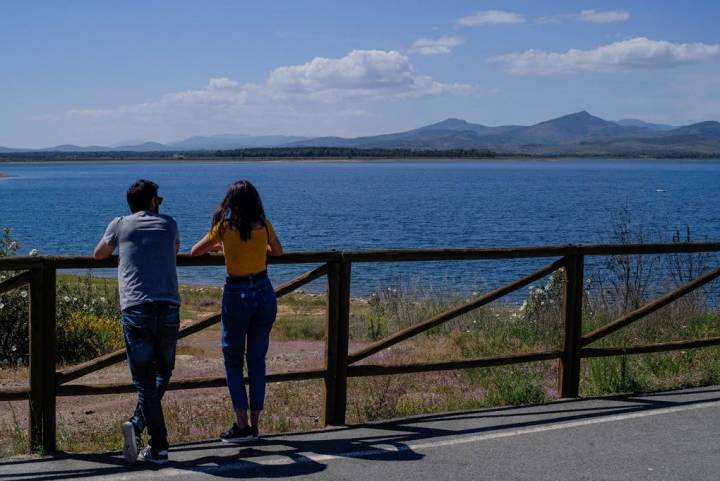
column 66, row 299
column 85, row 306
column 13, row 349
column 102, row 299
column 75, row 299
column 542, row 303
column 524, row 306
column 34, row 252
column 2, row 305
column 23, row 293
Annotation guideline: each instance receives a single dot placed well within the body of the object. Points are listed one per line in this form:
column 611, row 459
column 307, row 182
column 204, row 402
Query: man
column 148, row 243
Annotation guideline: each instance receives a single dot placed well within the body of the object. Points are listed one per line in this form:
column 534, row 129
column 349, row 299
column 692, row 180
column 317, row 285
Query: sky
column 113, row 73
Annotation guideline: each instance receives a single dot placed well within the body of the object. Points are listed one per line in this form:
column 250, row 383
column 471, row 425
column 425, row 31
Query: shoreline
column 355, row 160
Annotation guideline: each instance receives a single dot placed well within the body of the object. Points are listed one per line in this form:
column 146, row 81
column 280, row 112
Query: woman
column 241, row 231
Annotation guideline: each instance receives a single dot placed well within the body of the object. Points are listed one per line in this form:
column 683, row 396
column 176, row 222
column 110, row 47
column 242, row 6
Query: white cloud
column 589, row 16
column 221, row 83
column 442, row 45
column 361, row 73
column 634, row 54
column 330, row 87
column 608, row 16
column 490, row 17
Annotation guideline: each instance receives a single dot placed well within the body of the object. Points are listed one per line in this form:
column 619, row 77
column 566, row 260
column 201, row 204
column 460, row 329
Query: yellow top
column 244, row 257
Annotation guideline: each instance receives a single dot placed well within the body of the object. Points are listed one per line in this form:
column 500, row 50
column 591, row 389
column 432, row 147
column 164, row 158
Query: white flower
column 23, row 293
column 524, row 306
column 66, row 299
column 34, row 252
column 85, row 306
column 75, row 299
column 2, row 305
column 13, row 349
column 102, row 299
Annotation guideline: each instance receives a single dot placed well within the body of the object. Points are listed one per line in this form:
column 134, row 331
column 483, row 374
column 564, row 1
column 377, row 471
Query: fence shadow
column 299, row 454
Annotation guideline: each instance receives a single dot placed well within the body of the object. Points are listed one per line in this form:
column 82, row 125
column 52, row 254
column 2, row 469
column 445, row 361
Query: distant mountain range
column 210, row 142
column 579, row 133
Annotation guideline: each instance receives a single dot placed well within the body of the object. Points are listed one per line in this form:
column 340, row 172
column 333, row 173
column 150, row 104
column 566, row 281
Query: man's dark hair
column 141, row 194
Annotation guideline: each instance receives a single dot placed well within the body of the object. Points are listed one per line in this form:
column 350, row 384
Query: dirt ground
column 198, row 355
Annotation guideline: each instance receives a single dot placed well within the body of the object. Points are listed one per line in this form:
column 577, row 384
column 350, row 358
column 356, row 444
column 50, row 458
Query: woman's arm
column 274, row 247
column 205, row 245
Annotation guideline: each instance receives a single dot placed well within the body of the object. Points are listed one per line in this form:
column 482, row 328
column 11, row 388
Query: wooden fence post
column 336, row 343
column 42, row 360
column 49, row 292
column 569, row 373
column 37, row 359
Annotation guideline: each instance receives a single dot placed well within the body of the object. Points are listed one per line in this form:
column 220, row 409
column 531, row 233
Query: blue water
column 64, row 208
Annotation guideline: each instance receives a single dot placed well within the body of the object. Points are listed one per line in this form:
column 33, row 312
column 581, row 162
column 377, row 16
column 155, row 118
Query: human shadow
column 288, row 455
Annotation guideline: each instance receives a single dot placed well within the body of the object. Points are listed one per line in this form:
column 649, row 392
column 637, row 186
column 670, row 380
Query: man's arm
column 103, row 250
column 106, row 244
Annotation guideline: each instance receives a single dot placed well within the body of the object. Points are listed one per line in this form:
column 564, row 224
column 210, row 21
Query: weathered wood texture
column 569, row 372
column 15, row 282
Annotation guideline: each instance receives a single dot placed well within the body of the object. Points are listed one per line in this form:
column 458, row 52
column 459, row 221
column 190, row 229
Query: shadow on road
column 287, row 455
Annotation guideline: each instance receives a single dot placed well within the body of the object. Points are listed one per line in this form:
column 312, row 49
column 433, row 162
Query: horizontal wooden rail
column 197, row 383
column 659, row 347
column 383, row 370
column 385, row 255
column 649, row 308
column 80, row 370
column 301, row 280
column 454, row 312
column 15, row 282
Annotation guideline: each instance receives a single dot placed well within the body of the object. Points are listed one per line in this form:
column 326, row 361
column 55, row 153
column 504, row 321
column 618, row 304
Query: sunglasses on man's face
column 159, row 200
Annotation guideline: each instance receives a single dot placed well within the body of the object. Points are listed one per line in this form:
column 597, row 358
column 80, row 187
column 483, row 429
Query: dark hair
column 141, row 194
column 240, row 209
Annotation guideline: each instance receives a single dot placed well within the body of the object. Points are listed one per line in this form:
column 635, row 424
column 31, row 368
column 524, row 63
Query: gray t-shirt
column 146, row 270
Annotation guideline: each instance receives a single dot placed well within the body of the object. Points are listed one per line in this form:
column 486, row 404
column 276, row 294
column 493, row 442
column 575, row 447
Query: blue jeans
column 248, row 312
column 151, row 332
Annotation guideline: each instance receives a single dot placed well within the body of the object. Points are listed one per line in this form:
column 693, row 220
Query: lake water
column 63, row 208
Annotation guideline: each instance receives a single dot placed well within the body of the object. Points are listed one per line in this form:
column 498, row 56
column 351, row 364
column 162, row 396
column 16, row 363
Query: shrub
column 87, row 315
column 13, row 312
column 85, row 335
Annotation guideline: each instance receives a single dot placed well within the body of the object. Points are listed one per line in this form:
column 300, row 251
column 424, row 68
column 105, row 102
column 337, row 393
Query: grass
column 488, row 331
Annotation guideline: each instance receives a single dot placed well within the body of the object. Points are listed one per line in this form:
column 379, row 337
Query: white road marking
column 305, row 458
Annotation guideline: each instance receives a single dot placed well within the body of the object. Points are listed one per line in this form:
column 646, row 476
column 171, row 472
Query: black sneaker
column 236, row 434
column 152, row 455
column 131, row 442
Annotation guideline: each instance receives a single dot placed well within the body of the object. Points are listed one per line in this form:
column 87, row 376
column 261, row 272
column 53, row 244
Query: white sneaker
column 130, row 442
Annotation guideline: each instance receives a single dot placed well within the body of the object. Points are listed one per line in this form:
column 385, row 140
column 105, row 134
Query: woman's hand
column 204, row 246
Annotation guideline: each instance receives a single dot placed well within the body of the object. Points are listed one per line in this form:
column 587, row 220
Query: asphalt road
column 663, row 436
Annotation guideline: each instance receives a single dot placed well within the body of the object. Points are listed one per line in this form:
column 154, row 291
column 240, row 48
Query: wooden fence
column 46, row 382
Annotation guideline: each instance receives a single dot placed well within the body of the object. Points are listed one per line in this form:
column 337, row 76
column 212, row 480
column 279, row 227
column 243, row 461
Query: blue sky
column 89, row 72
